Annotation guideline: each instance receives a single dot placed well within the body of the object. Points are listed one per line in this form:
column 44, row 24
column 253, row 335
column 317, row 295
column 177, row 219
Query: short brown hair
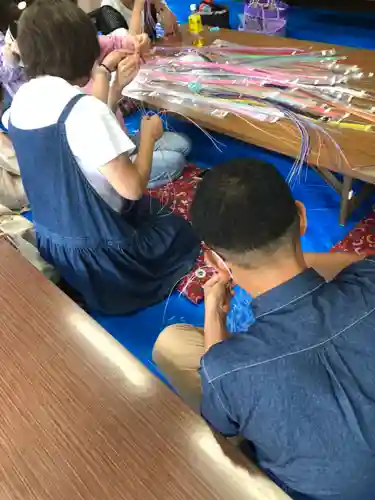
column 55, row 37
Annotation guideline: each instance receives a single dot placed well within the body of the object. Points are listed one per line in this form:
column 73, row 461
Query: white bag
column 21, row 234
column 12, row 193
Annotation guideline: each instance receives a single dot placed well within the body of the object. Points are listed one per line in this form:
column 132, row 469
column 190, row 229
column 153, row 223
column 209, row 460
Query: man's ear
column 302, row 217
column 215, row 261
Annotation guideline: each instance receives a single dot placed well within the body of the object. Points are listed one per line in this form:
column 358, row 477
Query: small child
column 120, row 249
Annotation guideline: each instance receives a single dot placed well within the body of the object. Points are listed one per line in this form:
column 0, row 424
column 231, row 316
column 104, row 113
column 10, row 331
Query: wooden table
column 82, row 419
column 283, row 137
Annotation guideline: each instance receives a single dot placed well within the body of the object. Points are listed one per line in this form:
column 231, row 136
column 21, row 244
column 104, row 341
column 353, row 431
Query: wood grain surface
column 283, row 137
column 82, row 419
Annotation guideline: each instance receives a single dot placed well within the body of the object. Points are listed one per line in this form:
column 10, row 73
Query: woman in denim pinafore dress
column 118, row 261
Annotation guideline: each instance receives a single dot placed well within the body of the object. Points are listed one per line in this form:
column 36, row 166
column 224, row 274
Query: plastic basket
column 265, row 17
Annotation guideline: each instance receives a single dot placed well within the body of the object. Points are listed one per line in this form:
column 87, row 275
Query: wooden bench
column 82, row 419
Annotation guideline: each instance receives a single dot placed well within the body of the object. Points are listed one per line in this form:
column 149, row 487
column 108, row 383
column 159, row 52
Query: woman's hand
column 152, row 126
column 112, row 60
column 127, row 70
column 217, row 296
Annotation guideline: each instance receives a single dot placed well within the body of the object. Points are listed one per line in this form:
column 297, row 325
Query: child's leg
column 171, row 141
column 167, row 166
column 169, row 159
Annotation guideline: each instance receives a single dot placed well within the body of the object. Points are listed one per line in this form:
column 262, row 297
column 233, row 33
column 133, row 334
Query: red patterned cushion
column 361, row 239
column 179, row 195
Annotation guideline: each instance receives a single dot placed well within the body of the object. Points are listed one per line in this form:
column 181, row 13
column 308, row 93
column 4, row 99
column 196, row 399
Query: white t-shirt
column 124, row 11
column 94, row 135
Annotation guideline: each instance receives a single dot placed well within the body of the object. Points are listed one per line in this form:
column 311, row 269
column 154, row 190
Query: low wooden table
column 283, row 137
column 82, row 419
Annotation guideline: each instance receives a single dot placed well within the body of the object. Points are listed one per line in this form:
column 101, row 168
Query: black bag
column 107, row 19
column 218, row 17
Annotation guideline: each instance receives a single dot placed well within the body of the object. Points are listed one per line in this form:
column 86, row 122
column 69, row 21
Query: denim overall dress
column 119, row 262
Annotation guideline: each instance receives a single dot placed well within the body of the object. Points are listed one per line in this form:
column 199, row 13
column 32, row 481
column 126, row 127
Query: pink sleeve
column 110, row 43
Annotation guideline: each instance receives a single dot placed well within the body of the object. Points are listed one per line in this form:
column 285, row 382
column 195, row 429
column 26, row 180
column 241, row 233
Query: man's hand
column 217, row 294
column 217, row 297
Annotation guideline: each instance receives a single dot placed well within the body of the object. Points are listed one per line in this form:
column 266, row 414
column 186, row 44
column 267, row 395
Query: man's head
column 245, row 212
column 56, row 38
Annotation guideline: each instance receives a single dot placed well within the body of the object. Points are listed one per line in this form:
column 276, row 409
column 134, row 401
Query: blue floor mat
column 139, row 331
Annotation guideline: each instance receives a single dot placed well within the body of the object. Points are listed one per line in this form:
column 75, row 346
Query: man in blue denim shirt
column 300, row 384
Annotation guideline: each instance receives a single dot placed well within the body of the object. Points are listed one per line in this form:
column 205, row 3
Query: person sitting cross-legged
column 299, row 385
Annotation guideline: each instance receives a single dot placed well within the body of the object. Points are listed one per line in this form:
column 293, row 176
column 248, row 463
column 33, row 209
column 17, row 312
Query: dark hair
column 9, row 12
column 244, row 205
column 55, row 37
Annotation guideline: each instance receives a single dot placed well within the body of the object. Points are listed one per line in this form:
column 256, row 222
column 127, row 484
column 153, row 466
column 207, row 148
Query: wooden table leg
column 342, row 187
column 350, row 201
column 346, row 196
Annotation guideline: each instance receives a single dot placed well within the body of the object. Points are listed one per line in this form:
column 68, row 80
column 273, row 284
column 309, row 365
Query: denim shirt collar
column 285, row 294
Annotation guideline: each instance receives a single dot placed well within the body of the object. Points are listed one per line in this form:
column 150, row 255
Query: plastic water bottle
column 195, row 26
column 195, row 20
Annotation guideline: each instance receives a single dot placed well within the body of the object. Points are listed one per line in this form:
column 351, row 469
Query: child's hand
column 112, row 60
column 139, row 5
column 142, row 44
column 10, row 57
column 152, row 126
column 126, row 71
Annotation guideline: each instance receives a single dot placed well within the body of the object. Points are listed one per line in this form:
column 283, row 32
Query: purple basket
column 266, row 17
